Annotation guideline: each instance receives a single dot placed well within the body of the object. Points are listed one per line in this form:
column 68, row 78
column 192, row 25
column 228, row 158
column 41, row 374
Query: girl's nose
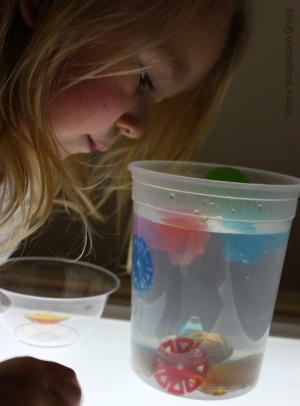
column 132, row 124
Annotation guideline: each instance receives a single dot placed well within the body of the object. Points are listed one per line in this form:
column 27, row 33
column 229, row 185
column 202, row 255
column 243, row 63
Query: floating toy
column 179, row 365
column 227, row 174
column 45, row 318
column 241, row 227
column 183, row 237
column 249, row 248
column 142, row 266
column 217, row 348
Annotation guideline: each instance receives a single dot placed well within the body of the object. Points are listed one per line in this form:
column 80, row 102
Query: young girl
column 121, row 79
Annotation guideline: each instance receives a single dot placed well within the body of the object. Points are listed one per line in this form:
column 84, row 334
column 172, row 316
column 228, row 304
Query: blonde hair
column 32, row 176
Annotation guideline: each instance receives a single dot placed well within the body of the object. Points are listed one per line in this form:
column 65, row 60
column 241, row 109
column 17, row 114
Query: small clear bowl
column 52, row 302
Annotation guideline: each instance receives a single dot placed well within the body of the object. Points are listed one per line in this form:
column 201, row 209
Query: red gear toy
column 179, row 365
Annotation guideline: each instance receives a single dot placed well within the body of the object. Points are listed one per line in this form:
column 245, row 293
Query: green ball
column 227, row 174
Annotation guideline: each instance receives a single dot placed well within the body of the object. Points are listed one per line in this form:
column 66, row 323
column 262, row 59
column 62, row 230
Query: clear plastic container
column 207, row 261
column 52, row 302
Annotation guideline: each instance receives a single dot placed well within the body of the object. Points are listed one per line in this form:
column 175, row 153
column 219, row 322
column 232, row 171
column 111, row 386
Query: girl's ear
column 27, row 13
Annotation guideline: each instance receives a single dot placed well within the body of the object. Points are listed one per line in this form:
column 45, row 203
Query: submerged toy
column 238, row 374
column 142, row 272
column 192, row 325
column 217, row 347
column 179, row 365
column 202, row 361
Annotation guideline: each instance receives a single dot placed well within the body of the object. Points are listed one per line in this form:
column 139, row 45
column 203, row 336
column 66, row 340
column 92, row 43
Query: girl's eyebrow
column 170, row 64
column 177, row 62
column 174, row 68
column 179, row 66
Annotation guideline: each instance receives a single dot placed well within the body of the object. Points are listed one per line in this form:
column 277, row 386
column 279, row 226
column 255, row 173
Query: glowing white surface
column 101, row 361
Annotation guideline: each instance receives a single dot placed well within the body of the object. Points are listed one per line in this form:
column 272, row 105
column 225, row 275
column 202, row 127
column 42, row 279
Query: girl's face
column 94, row 113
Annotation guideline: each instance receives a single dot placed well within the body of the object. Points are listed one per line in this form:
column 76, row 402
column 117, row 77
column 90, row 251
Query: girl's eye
column 144, row 81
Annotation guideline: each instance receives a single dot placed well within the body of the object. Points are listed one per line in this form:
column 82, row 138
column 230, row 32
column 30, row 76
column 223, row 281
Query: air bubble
column 172, row 195
column 232, row 210
column 260, row 206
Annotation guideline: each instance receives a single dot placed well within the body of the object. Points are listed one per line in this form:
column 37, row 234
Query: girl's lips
column 96, row 145
column 91, row 143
